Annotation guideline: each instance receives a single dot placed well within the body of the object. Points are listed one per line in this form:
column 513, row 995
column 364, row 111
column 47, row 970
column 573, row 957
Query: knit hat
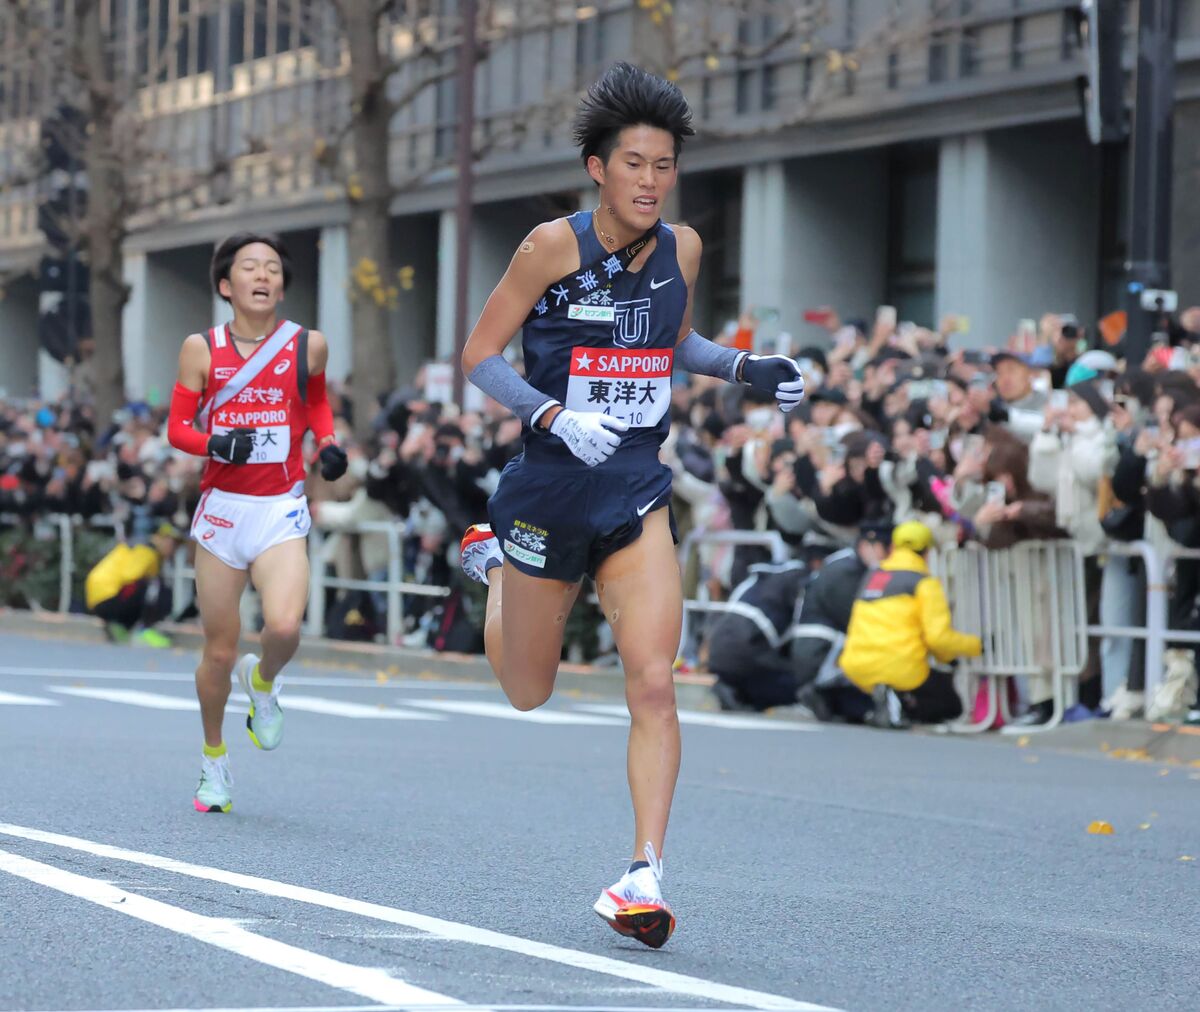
column 1088, row 391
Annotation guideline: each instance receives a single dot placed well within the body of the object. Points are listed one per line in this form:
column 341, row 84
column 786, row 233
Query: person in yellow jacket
column 899, row 619
column 124, row 590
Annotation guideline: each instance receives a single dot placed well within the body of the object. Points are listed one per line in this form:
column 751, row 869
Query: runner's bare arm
column 194, row 360
column 318, row 352
column 546, row 255
column 688, row 249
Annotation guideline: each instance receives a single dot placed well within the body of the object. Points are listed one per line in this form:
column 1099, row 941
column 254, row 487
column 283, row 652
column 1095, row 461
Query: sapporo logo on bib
column 634, row 386
column 262, row 409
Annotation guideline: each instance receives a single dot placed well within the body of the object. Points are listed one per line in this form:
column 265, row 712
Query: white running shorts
column 237, row 529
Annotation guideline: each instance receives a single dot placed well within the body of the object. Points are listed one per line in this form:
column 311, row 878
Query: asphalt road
column 379, row 859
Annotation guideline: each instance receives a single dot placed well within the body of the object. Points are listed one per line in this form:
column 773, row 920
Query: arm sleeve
column 181, row 432
column 320, row 414
column 943, row 640
column 698, row 354
column 499, row 380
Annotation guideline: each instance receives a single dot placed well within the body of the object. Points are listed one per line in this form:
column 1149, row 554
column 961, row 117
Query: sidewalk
column 1134, row 741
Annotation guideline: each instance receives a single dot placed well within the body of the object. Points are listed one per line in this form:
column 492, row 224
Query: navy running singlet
column 614, row 349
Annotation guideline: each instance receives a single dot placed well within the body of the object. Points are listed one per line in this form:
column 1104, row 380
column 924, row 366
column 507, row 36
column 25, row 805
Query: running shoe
column 117, row 633
column 153, row 638
column 214, row 792
column 264, row 722
column 634, row 906
column 479, row 548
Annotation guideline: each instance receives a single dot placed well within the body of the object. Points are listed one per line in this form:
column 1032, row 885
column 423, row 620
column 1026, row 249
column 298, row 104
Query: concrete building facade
column 852, row 153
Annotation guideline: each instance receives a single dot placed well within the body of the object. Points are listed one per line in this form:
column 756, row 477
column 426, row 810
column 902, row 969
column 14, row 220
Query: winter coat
column 1069, row 467
column 899, row 619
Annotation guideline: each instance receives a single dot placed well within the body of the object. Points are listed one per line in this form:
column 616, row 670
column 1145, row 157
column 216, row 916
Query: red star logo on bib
column 583, row 362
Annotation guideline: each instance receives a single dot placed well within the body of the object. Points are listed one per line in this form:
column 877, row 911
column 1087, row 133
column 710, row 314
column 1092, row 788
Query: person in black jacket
column 747, row 648
column 825, row 616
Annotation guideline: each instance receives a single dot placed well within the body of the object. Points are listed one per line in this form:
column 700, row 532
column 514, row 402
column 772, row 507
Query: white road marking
column 338, row 708
column 667, row 980
column 368, row 982
column 726, row 720
column 16, row 699
column 489, row 1007
column 313, row 681
column 135, row 697
column 505, row 712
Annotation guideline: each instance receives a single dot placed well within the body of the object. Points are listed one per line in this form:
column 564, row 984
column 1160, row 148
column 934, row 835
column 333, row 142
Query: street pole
column 464, row 203
column 1148, row 270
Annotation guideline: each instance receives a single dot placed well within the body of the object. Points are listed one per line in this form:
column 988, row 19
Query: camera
column 1159, row 300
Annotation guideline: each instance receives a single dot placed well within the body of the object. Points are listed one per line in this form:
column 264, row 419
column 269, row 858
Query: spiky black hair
column 226, row 253
column 629, row 96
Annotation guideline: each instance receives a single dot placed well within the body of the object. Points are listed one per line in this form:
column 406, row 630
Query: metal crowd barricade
column 394, row 586
column 1028, row 606
column 1156, row 631
column 772, row 540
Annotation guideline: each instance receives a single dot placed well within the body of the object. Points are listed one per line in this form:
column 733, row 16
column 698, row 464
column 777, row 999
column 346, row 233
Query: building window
column 912, row 232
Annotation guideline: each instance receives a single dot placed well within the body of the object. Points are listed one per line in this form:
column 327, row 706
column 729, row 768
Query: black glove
column 333, row 462
column 232, row 447
column 775, row 375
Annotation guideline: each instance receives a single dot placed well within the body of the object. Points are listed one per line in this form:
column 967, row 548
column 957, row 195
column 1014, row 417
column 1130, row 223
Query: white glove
column 591, row 436
column 776, row 375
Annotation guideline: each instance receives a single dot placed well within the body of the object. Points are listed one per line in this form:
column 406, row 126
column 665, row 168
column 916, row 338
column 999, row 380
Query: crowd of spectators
column 1051, row 433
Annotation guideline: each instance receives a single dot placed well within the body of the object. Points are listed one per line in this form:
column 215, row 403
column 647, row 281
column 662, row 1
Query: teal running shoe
column 214, row 792
column 264, row 723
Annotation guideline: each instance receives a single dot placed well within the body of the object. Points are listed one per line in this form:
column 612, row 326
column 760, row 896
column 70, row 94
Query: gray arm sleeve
column 700, row 355
column 499, row 380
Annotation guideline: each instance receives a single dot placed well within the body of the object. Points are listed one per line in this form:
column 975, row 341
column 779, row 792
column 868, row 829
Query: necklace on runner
column 608, row 240
column 247, row 340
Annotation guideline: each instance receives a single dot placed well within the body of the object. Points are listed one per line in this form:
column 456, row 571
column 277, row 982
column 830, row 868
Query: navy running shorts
column 561, row 523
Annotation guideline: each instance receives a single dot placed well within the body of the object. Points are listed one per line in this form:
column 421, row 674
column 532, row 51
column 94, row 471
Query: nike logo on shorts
column 646, row 509
column 656, row 285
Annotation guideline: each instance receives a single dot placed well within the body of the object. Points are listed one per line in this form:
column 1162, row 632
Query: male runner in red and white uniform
column 246, row 394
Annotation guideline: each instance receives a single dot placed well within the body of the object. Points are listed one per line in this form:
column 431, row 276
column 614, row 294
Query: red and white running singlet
column 272, row 404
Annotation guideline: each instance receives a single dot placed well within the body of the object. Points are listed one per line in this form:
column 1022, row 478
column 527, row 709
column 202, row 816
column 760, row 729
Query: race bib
column 633, row 385
column 272, row 443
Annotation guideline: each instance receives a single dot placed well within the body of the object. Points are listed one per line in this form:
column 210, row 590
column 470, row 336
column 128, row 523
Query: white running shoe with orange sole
column 634, row 906
column 479, row 547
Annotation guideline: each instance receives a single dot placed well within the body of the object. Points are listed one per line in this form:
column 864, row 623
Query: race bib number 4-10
column 272, row 443
column 629, row 384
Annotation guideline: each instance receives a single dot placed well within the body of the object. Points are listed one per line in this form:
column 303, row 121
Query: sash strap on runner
column 249, row 371
column 589, row 286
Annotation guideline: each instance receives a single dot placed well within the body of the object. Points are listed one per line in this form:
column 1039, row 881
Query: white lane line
column 505, row 712
column 135, row 697
column 407, row 684
column 367, row 982
column 667, row 980
column 489, row 1007
column 725, row 720
column 16, row 699
column 357, row 711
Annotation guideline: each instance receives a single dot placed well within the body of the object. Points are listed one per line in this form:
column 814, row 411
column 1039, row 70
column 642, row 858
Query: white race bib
column 633, row 385
column 272, row 443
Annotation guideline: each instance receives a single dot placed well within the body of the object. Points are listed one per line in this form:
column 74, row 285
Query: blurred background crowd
column 1051, row 433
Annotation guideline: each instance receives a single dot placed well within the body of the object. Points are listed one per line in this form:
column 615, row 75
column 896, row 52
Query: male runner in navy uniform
column 605, row 301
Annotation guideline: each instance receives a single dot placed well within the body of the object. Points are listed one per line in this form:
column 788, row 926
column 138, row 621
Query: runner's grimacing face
column 255, row 283
column 639, row 174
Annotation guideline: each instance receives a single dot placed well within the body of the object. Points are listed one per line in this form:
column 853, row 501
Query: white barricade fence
column 182, row 574
column 695, row 540
column 1028, row 605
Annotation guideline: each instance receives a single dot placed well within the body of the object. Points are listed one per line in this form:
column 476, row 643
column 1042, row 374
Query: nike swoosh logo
column 646, row 509
column 656, row 285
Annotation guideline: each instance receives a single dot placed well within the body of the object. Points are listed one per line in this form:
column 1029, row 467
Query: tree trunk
column 372, row 286
column 105, row 223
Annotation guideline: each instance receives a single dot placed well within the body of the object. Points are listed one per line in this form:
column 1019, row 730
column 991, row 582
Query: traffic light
column 1100, row 28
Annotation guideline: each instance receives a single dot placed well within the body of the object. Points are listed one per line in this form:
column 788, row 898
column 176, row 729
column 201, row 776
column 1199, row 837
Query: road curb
column 358, row 659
